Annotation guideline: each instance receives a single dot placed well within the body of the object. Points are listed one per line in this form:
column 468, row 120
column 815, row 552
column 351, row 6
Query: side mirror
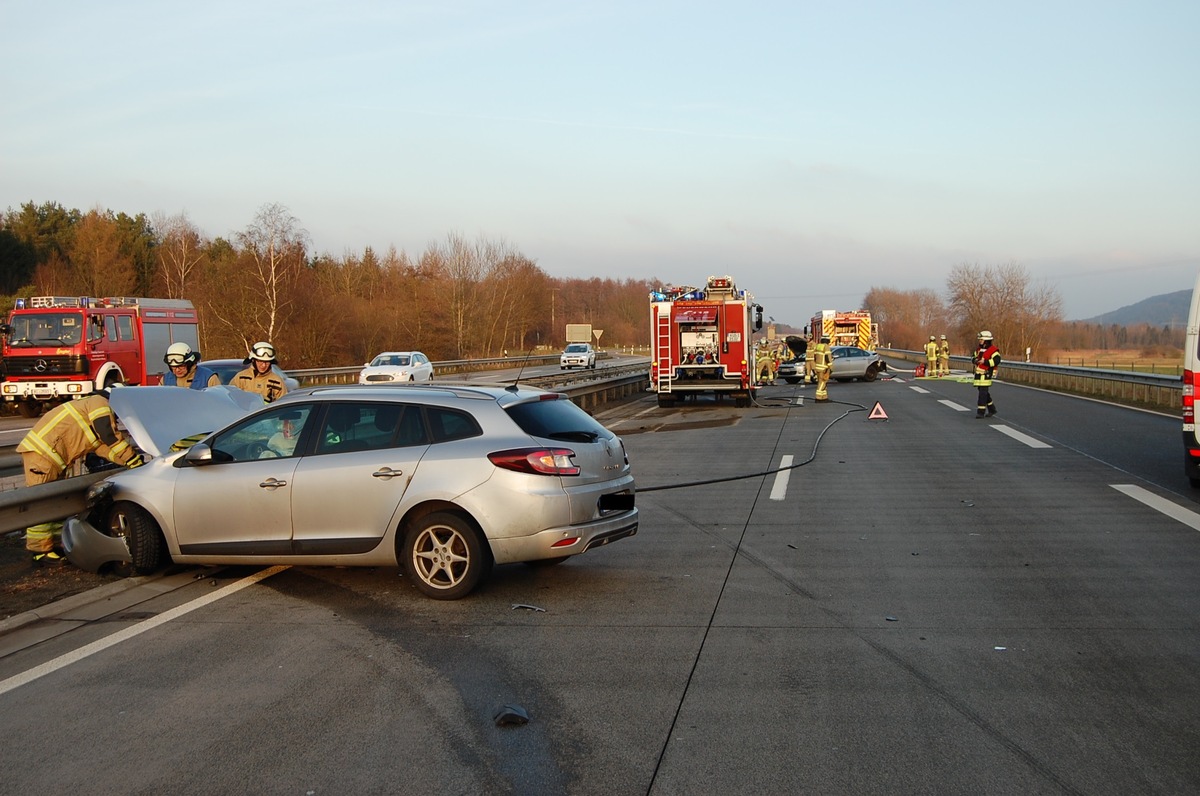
column 758, row 317
column 198, row 454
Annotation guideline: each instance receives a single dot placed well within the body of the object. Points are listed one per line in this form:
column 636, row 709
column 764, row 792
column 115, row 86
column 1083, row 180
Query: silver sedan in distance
column 441, row 480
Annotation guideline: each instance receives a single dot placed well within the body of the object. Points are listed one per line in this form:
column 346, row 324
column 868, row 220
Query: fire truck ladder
column 662, row 352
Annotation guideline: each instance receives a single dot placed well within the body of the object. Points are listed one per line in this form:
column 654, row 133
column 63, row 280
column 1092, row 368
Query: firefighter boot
column 51, row 559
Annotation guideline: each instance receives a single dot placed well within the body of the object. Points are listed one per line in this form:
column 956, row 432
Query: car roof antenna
column 513, row 387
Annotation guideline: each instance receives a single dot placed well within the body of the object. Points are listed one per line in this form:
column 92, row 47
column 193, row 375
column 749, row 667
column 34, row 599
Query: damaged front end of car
column 86, row 546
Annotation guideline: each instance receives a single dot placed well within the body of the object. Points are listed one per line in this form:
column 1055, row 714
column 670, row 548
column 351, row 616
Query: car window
column 268, row 435
column 558, row 419
column 449, row 424
column 349, row 427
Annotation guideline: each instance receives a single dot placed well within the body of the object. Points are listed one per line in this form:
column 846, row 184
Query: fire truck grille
column 44, row 366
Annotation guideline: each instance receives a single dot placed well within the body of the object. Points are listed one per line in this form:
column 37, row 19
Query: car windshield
column 557, row 419
column 577, row 348
column 395, row 359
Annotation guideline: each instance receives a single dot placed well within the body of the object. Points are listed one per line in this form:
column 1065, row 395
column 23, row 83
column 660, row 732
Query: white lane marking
column 954, row 406
column 779, row 490
column 1187, row 517
column 62, row 661
column 1019, row 437
column 921, row 390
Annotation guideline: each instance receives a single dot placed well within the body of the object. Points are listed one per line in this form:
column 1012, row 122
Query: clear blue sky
column 813, row 150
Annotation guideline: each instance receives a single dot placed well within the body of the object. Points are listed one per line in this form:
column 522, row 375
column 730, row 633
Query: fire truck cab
column 58, row 348
column 701, row 341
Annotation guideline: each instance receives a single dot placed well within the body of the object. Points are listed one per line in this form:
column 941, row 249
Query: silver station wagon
column 441, row 480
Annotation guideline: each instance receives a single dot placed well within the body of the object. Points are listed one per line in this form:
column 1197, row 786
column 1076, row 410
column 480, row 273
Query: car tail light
column 538, row 461
column 1189, row 397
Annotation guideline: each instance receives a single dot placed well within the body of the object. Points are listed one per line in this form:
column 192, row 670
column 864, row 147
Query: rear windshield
column 558, row 419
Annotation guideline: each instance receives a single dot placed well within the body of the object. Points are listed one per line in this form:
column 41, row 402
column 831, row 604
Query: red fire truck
column 57, row 348
column 700, row 341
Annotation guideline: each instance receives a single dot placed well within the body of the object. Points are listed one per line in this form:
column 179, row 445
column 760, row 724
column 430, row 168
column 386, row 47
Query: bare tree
column 1004, row 300
column 179, row 254
column 274, row 250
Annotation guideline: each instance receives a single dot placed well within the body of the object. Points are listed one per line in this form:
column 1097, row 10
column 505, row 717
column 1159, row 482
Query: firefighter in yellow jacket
column 931, row 355
column 943, row 357
column 260, row 377
column 66, row 434
column 822, row 362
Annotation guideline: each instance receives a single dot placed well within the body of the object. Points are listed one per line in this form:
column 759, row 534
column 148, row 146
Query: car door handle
column 386, row 472
column 272, row 483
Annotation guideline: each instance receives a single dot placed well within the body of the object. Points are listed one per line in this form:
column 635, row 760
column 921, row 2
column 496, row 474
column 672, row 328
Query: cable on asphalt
column 812, row 456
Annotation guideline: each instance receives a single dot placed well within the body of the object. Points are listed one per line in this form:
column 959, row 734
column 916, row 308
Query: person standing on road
column 64, row 435
column 186, row 370
column 931, row 356
column 259, row 377
column 987, row 359
column 943, row 357
column 822, row 362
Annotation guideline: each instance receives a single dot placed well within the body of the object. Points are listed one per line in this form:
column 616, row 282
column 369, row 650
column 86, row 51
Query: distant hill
column 1169, row 309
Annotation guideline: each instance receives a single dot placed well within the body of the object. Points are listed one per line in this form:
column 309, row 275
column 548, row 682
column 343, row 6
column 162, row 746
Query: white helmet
column 985, row 335
column 263, row 351
column 181, row 354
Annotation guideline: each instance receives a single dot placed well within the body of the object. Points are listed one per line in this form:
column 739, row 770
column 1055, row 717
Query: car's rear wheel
column 445, row 555
column 147, row 548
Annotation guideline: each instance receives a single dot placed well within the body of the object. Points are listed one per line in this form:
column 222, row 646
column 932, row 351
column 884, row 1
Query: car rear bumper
column 568, row 541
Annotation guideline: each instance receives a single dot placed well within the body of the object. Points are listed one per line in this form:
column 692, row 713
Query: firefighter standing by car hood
column 987, row 359
column 260, row 377
column 66, row 434
column 185, row 370
column 822, row 362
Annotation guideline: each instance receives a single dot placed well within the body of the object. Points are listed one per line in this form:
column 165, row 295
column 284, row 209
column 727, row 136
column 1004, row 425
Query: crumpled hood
column 157, row 417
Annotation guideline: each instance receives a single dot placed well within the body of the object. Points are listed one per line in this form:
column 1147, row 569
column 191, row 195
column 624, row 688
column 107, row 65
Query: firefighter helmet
column 181, row 354
column 931, row 337
column 985, row 335
column 263, row 351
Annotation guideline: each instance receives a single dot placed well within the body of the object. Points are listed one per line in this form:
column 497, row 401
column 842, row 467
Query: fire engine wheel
column 133, row 524
column 29, row 408
column 666, row 401
column 445, row 555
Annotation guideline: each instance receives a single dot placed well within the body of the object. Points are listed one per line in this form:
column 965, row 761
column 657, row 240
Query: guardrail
column 1142, row 390
column 20, row 508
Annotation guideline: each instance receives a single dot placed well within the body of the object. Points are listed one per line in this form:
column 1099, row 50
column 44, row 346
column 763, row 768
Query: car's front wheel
column 871, row 374
column 445, row 555
column 133, row 524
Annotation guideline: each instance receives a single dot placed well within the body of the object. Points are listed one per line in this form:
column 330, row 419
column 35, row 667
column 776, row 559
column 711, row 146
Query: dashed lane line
column 952, row 405
column 1162, row 505
column 779, row 489
column 921, row 390
column 1025, row 438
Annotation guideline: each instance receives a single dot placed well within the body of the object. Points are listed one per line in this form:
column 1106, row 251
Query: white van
column 1191, row 380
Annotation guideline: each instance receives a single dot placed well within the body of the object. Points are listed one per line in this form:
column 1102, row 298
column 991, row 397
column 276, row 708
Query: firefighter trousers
column 42, row 537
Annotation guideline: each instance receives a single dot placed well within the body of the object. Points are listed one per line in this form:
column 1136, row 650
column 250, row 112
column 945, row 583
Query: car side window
column 367, row 425
column 268, row 435
column 449, row 424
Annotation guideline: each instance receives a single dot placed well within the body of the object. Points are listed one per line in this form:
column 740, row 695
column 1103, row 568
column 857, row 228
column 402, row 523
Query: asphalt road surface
column 925, row 603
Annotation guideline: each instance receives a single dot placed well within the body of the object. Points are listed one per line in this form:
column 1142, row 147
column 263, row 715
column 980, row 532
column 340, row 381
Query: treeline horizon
column 455, row 299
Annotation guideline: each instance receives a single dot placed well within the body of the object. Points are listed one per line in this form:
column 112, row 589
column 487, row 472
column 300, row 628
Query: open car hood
column 157, row 417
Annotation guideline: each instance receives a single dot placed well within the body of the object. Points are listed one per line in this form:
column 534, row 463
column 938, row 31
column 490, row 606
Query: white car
column 577, row 355
column 391, row 366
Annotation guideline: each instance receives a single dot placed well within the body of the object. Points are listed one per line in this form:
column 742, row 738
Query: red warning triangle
column 877, row 412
